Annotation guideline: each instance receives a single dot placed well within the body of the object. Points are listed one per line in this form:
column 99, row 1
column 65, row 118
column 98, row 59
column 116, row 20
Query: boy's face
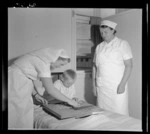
column 68, row 82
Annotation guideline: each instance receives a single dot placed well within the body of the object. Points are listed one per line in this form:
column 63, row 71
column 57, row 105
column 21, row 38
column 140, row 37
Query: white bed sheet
column 105, row 120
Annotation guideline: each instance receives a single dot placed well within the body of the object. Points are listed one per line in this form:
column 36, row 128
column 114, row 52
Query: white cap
column 109, row 24
column 63, row 54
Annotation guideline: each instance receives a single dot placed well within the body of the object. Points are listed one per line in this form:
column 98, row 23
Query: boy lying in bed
column 65, row 85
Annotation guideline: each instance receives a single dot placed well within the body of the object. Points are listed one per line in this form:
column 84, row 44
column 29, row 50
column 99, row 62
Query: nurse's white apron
column 108, row 99
column 20, row 103
column 109, row 75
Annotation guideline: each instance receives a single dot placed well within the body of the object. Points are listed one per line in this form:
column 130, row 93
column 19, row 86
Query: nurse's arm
column 49, row 87
column 126, row 75
column 94, row 78
column 127, row 71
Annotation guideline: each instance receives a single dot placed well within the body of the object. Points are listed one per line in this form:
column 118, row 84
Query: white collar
column 114, row 39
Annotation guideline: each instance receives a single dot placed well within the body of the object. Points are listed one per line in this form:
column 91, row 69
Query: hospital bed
column 105, row 120
column 102, row 121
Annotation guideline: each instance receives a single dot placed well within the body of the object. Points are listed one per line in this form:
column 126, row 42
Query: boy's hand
column 73, row 103
column 76, row 99
column 79, row 101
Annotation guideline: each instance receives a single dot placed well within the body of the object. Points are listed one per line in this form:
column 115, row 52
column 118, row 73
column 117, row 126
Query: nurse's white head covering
column 49, row 55
column 109, row 24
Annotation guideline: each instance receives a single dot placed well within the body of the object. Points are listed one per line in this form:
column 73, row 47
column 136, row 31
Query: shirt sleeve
column 57, row 85
column 38, row 86
column 43, row 69
column 126, row 50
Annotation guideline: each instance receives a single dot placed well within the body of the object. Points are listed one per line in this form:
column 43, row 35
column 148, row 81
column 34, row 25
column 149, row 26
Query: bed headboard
column 56, row 75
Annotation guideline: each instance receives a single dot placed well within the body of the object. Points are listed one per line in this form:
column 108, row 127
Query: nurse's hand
column 40, row 99
column 120, row 89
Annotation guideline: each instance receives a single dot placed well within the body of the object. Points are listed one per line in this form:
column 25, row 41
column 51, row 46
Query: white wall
column 97, row 12
column 88, row 11
column 105, row 12
column 130, row 28
column 84, row 11
column 34, row 28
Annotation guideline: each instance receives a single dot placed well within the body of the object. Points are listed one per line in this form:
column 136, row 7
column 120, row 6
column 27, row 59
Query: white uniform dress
column 109, row 58
column 20, row 85
column 68, row 92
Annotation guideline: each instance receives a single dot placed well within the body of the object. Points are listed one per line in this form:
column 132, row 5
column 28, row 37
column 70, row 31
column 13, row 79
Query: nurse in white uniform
column 25, row 70
column 112, row 69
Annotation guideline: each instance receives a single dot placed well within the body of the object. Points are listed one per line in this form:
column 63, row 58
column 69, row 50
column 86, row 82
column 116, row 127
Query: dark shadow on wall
column 96, row 39
column 88, row 89
column 4, row 122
